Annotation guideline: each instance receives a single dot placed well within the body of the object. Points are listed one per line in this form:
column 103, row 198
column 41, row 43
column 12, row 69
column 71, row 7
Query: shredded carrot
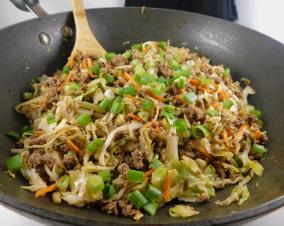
column 136, row 118
column 223, row 95
column 167, row 186
column 240, row 133
column 178, row 97
column 226, row 140
column 257, row 134
column 73, row 147
column 42, row 192
column 157, row 113
column 194, row 82
column 69, row 76
column 159, row 98
column 230, row 132
column 149, row 173
column 89, row 62
column 132, row 81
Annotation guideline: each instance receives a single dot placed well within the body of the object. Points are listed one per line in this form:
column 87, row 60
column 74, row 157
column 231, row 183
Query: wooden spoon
column 85, row 43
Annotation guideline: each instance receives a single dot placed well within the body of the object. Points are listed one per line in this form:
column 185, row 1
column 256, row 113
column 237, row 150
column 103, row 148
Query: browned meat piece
column 124, row 158
column 194, row 113
column 173, row 89
column 188, row 151
column 165, row 70
column 251, row 119
column 118, row 60
column 139, row 158
column 62, row 150
column 51, row 100
column 38, row 159
column 123, row 169
column 263, row 139
column 126, row 209
column 111, row 208
column 70, row 161
column 219, row 168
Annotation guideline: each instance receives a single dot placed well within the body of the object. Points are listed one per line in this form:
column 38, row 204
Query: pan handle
column 32, row 6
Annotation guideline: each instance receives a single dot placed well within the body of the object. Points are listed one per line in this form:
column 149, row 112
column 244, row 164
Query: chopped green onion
column 66, row 69
column 117, row 105
column 226, row 72
column 258, row 149
column 95, row 183
column 181, row 125
column 51, row 119
column 158, row 88
column 105, row 104
column 127, row 54
column 95, row 145
column 257, row 113
column 147, row 105
column 152, row 193
column 185, row 71
column 109, row 78
column 206, row 81
column 105, row 175
column 169, row 113
column 150, row 208
column 109, row 190
column 137, row 199
column 200, row 131
column 63, row 183
column 26, row 129
column 84, row 119
column 228, row 104
column 146, row 78
column 109, row 56
column 72, row 86
column 163, row 44
column 156, row 164
column 164, row 80
column 170, row 109
column 181, row 82
column 135, row 176
column 190, row 97
column 14, row 135
column 130, row 90
column 137, row 47
column 211, row 112
column 28, row 95
column 14, row 163
column 138, row 71
column 174, row 64
column 96, row 69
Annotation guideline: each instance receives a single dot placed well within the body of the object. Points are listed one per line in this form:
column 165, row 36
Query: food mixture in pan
column 128, row 133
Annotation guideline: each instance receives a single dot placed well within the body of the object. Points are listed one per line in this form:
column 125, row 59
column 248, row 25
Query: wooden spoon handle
column 85, row 40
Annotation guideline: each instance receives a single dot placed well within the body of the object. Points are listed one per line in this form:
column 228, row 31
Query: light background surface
column 265, row 16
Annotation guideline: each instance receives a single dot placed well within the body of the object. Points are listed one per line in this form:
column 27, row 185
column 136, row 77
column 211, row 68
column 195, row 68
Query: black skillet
column 248, row 53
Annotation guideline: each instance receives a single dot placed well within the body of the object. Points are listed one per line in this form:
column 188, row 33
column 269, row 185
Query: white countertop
column 262, row 15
